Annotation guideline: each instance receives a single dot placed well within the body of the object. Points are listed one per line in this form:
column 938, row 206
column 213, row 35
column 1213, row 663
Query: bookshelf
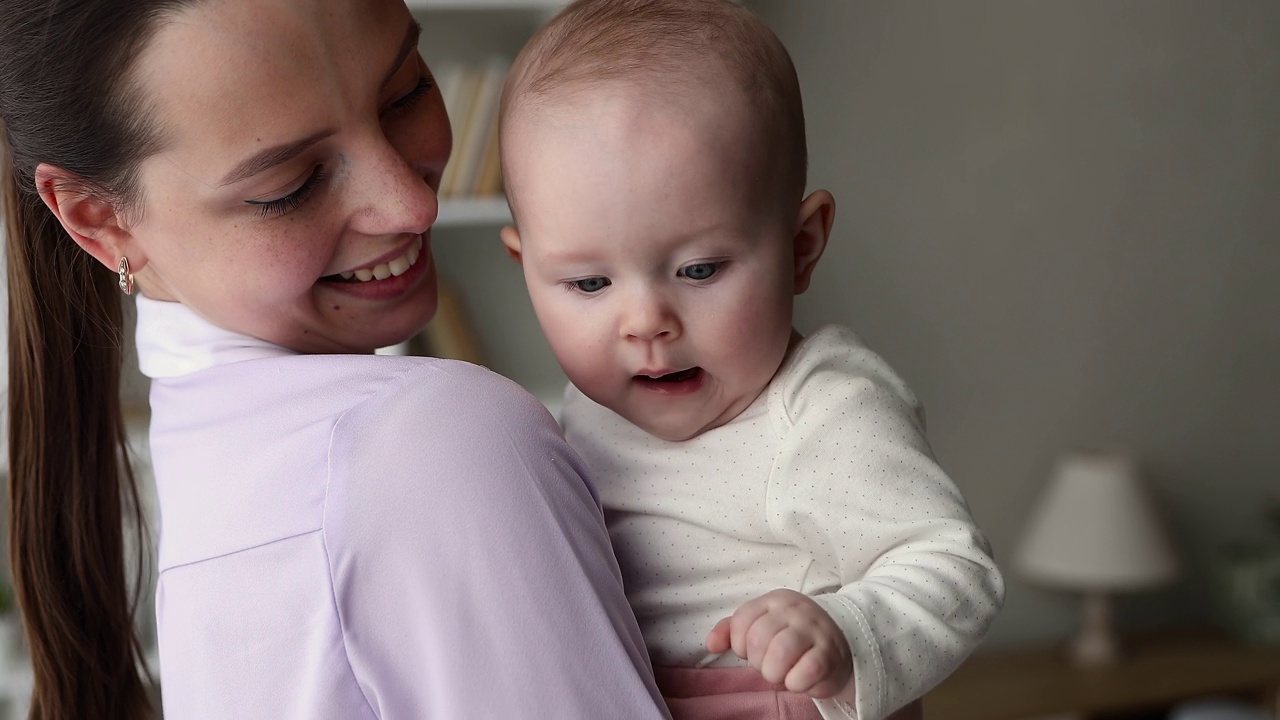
column 473, row 267
column 469, row 45
column 469, row 212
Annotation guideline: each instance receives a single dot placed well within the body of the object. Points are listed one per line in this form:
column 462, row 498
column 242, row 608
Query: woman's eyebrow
column 272, row 156
column 408, row 45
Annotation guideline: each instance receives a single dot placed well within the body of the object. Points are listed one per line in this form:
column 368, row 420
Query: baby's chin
column 683, row 420
column 668, row 429
column 670, row 434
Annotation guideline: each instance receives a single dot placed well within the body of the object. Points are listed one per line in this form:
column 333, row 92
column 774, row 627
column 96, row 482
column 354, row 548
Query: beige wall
column 1060, row 221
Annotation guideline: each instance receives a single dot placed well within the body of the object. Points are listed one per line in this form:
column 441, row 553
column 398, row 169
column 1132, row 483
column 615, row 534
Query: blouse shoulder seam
column 393, row 380
column 328, row 557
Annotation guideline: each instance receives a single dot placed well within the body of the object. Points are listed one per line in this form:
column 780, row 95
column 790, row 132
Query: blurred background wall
column 1060, row 222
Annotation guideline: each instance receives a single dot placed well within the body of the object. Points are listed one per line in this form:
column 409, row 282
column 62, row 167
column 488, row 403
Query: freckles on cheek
column 294, row 256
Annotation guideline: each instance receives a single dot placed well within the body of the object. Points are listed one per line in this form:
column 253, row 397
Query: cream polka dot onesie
column 825, row 485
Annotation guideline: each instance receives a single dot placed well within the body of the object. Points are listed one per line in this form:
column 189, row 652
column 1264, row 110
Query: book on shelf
column 471, row 96
column 453, row 81
column 489, row 179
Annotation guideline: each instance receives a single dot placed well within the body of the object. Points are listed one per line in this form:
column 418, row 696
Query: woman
column 344, row 535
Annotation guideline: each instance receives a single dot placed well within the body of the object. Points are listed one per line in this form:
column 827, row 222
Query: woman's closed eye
column 700, row 270
column 290, row 202
column 409, row 99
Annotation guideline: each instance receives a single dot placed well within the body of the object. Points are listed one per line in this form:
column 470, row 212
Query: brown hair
column 66, row 100
column 667, row 44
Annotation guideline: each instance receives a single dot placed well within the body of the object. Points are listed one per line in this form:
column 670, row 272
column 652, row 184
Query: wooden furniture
column 1153, row 675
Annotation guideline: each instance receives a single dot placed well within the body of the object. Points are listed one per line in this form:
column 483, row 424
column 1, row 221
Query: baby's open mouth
column 381, row 271
column 675, row 377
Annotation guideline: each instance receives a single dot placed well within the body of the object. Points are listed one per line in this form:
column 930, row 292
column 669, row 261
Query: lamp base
column 1096, row 644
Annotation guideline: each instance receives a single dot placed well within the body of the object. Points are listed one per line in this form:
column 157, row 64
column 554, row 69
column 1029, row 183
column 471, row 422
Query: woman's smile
column 389, row 279
column 382, row 269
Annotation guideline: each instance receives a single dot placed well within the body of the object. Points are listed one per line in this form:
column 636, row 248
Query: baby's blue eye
column 699, row 271
column 591, row 284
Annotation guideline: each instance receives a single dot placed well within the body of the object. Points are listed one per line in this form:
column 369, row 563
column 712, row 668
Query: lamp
column 1095, row 531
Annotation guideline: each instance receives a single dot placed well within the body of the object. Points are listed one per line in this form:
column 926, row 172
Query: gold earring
column 126, row 277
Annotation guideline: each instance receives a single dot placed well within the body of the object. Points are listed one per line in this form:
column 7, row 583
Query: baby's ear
column 817, row 213
column 92, row 221
column 511, row 240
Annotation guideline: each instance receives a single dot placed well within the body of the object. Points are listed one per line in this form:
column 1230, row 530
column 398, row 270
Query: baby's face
column 657, row 252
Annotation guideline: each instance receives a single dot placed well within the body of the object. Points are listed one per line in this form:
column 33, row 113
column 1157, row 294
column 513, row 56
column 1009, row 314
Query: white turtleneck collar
column 174, row 341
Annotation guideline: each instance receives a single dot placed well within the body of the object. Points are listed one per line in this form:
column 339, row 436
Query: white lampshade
column 1096, row 529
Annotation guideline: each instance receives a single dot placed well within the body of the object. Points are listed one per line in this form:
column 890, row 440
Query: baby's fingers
column 760, row 637
column 785, row 650
column 718, row 639
column 822, row 672
column 742, row 622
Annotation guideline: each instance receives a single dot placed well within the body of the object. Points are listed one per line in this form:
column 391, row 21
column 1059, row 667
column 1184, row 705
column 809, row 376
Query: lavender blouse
column 348, row 536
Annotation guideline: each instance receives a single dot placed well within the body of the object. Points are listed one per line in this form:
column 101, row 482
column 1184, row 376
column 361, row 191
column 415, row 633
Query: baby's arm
column 857, row 486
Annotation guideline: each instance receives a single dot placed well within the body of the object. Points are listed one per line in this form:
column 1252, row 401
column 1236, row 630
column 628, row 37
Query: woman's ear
column 817, row 213
column 511, row 241
column 93, row 221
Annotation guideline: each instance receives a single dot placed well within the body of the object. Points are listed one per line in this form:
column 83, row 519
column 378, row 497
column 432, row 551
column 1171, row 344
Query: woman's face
column 302, row 144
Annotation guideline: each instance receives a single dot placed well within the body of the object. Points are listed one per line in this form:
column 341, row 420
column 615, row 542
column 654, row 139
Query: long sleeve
column 499, row 596
column 857, row 487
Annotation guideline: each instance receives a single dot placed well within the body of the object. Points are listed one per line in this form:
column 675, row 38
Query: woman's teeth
column 385, row 270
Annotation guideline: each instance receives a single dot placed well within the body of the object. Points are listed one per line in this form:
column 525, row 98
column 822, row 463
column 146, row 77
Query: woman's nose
column 391, row 197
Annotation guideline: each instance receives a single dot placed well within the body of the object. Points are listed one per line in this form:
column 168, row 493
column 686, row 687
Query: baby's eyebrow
column 568, row 257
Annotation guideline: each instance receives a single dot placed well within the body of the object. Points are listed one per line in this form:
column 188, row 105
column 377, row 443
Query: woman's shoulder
column 438, row 443
column 449, row 391
column 434, row 409
column 347, row 384
column 323, row 388
column 294, row 427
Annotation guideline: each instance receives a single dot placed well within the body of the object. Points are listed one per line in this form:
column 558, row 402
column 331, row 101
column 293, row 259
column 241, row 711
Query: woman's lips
column 384, row 268
column 390, row 287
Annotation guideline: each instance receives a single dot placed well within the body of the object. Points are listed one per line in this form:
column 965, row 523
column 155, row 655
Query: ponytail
column 70, row 484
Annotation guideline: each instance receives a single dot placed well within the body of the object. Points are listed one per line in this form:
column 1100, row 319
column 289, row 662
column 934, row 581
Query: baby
column 766, row 493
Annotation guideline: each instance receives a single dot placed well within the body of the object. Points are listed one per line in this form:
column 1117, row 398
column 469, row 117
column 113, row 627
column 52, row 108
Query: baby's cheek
column 562, row 325
column 589, row 378
column 575, row 358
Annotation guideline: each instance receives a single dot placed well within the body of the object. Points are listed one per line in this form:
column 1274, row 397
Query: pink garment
column 732, row 693
column 740, row 693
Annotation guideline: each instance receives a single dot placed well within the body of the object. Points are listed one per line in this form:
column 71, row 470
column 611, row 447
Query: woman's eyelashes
column 290, row 202
column 406, row 101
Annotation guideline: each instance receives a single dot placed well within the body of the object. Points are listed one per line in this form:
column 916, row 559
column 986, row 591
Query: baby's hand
column 791, row 640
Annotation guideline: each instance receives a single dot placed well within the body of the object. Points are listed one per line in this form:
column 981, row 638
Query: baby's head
column 654, row 155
